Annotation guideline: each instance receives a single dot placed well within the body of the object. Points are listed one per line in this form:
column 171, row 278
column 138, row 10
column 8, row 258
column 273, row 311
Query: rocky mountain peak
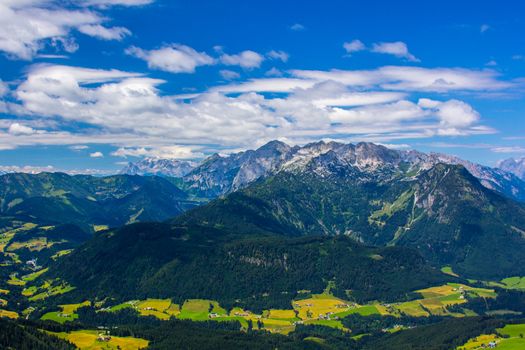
column 514, row 165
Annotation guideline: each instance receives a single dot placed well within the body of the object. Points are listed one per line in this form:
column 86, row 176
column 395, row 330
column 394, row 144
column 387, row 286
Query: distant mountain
column 161, row 167
column 220, row 175
column 86, row 200
column 514, row 165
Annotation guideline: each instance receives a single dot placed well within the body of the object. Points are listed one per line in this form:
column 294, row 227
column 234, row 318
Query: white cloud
column 106, row 3
column 483, row 28
column 398, row 49
column 297, row 27
column 26, row 169
column 165, row 152
column 78, row 147
column 174, row 58
column 274, row 72
column 412, row 78
column 4, row 89
column 27, row 26
column 101, row 32
column 508, row 149
column 245, row 59
column 229, row 74
column 454, row 115
column 96, row 155
column 354, row 46
column 19, row 129
column 278, row 55
column 128, row 110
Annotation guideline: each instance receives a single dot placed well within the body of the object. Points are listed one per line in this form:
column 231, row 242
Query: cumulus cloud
column 229, row 74
column 175, row 58
column 19, row 129
column 453, row 115
column 398, row 49
column 278, row 55
column 245, row 59
column 101, row 32
column 96, row 155
column 130, row 111
column 26, row 27
column 412, row 78
column 354, row 46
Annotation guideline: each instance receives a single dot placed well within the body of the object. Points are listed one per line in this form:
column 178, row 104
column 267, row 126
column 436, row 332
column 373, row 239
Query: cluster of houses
column 237, row 314
column 328, row 316
column 491, row 345
column 103, row 337
column 461, row 290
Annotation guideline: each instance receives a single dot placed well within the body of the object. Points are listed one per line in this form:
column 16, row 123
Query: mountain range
column 86, row 200
column 324, row 198
column 219, row 175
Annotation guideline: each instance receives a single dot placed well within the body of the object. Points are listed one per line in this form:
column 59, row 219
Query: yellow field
column 156, row 304
column 36, row 244
column 8, row 314
column 278, row 326
column 437, row 299
column 281, row 314
column 88, row 340
column 315, row 306
column 72, row 308
column 509, row 337
column 155, row 307
column 98, row 228
column 15, row 281
column 476, row 343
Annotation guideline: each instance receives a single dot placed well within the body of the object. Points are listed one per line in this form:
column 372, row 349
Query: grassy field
column 512, row 283
column 513, row 339
column 161, row 308
column 321, row 309
column 15, row 281
column 48, row 289
column 436, row 300
column 448, row 270
column 200, row 309
column 88, row 340
column 33, row 276
column 66, row 314
column 36, row 244
column 61, row 253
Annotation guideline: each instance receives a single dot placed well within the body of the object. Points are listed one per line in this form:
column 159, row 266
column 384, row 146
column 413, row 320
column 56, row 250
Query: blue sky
column 88, row 85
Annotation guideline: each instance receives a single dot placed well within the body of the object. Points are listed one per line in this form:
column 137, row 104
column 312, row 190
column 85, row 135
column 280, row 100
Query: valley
column 328, row 251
